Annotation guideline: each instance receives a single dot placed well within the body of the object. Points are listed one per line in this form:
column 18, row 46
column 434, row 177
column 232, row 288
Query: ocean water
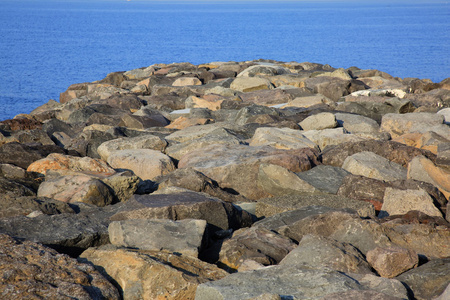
column 47, row 45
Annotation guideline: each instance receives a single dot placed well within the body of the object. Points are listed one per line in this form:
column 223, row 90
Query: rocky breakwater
column 227, row 180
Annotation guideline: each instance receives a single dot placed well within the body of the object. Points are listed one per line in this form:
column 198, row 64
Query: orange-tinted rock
column 392, row 261
column 61, row 162
column 183, row 122
column 423, row 169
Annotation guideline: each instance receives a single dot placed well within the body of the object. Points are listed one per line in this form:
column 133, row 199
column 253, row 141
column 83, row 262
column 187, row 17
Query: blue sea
column 47, row 45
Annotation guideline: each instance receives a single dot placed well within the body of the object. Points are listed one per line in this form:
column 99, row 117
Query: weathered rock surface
column 183, row 236
column 256, row 244
column 371, row 165
column 184, row 205
column 390, row 262
column 145, row 163
column 151, row 274
column 429, row 280
column 32, row 271
column 236, row 167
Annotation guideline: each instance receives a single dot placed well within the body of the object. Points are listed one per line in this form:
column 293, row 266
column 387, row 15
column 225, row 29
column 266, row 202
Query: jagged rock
column 67, row 232
column 123, row 184
column 298, row 282
column 139, row 142
column 309, row 101
column 145, row 163
column 319, row 121
column 280, row 138
column 15, row 188
column 331, row 136
column 60, row 162
column 371, row 165
column 398, row 124
column 327, row 179
column 257, row 244
column 184, row 205
column 393, row 151
column 423, row 169
column 250, row 114
column 183, row 236
column 390, row 262
column 317, row 251
column 275, row 205
column 357, row 124
column 331, row 87
column 399, row 202
column 23, row 155
column 266, row 97
column 25, row 205
column 32, row 271
column 429, row 280
column 152, row 275
column 236, row 166
column 250, row 84
column 193, row 180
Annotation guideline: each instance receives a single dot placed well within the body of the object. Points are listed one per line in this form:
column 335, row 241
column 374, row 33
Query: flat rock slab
column 236, row 167
column 139, row 142
column 399, row 202
column 67, row 232
column 393, row 151
column 33, row 271
column 290, row 281
column 327, row 179
column 371, row 165
column 398, row 124
column 184, row 205
column 183, row 236
column 281, row 138
column 145, row 163
column 331, row 137
column 429, row 280
column 22, row 206
column 271, row 206
column 151, row 274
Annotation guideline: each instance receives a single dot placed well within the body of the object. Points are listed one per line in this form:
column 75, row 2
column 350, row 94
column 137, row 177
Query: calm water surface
column 45, row 46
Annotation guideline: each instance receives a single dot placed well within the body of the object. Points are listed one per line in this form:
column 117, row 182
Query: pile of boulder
column 230, row 180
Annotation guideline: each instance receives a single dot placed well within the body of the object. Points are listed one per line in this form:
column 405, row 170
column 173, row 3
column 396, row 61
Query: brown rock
column 257, row 244
column 152, row 275
column 32, row 271
column 183, row 122
column 390, row 150
column 60, row 162
column 236, row 166
column 392, row 261
column 423, row 169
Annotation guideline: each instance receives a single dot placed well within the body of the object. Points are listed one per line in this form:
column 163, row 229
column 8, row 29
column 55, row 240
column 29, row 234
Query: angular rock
column 399, row 202
column 60, row 162
column 32, row 271
column 184, row 205
column 357, row 124
column 266, row 97
column 423, row 169
column 183, row 236
column 250, row 114
column 23, row 155
column 263, row 70
column 429, row 280
column 391, row 262
column 139, row 142
column 193, row 180
column 326, row 179
column 393, row 151
column 331, row 87
column 76, row 188
column 67, row 232
column 123, row 184
column 275, row 205
column 184, row 81
column 317, row 251
column 398, row 124
column 278, row 181
column 428, row 141
column 281, row 138
column 23, row 206
column 330, row 137
column 15, row 188
column 143, row 122
column 236, row 167
column 145, row 163
column 319, row 121
column 250, row 84
column 371, row 165
column 297, row 282
column 152, row 275
column 257, row 244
